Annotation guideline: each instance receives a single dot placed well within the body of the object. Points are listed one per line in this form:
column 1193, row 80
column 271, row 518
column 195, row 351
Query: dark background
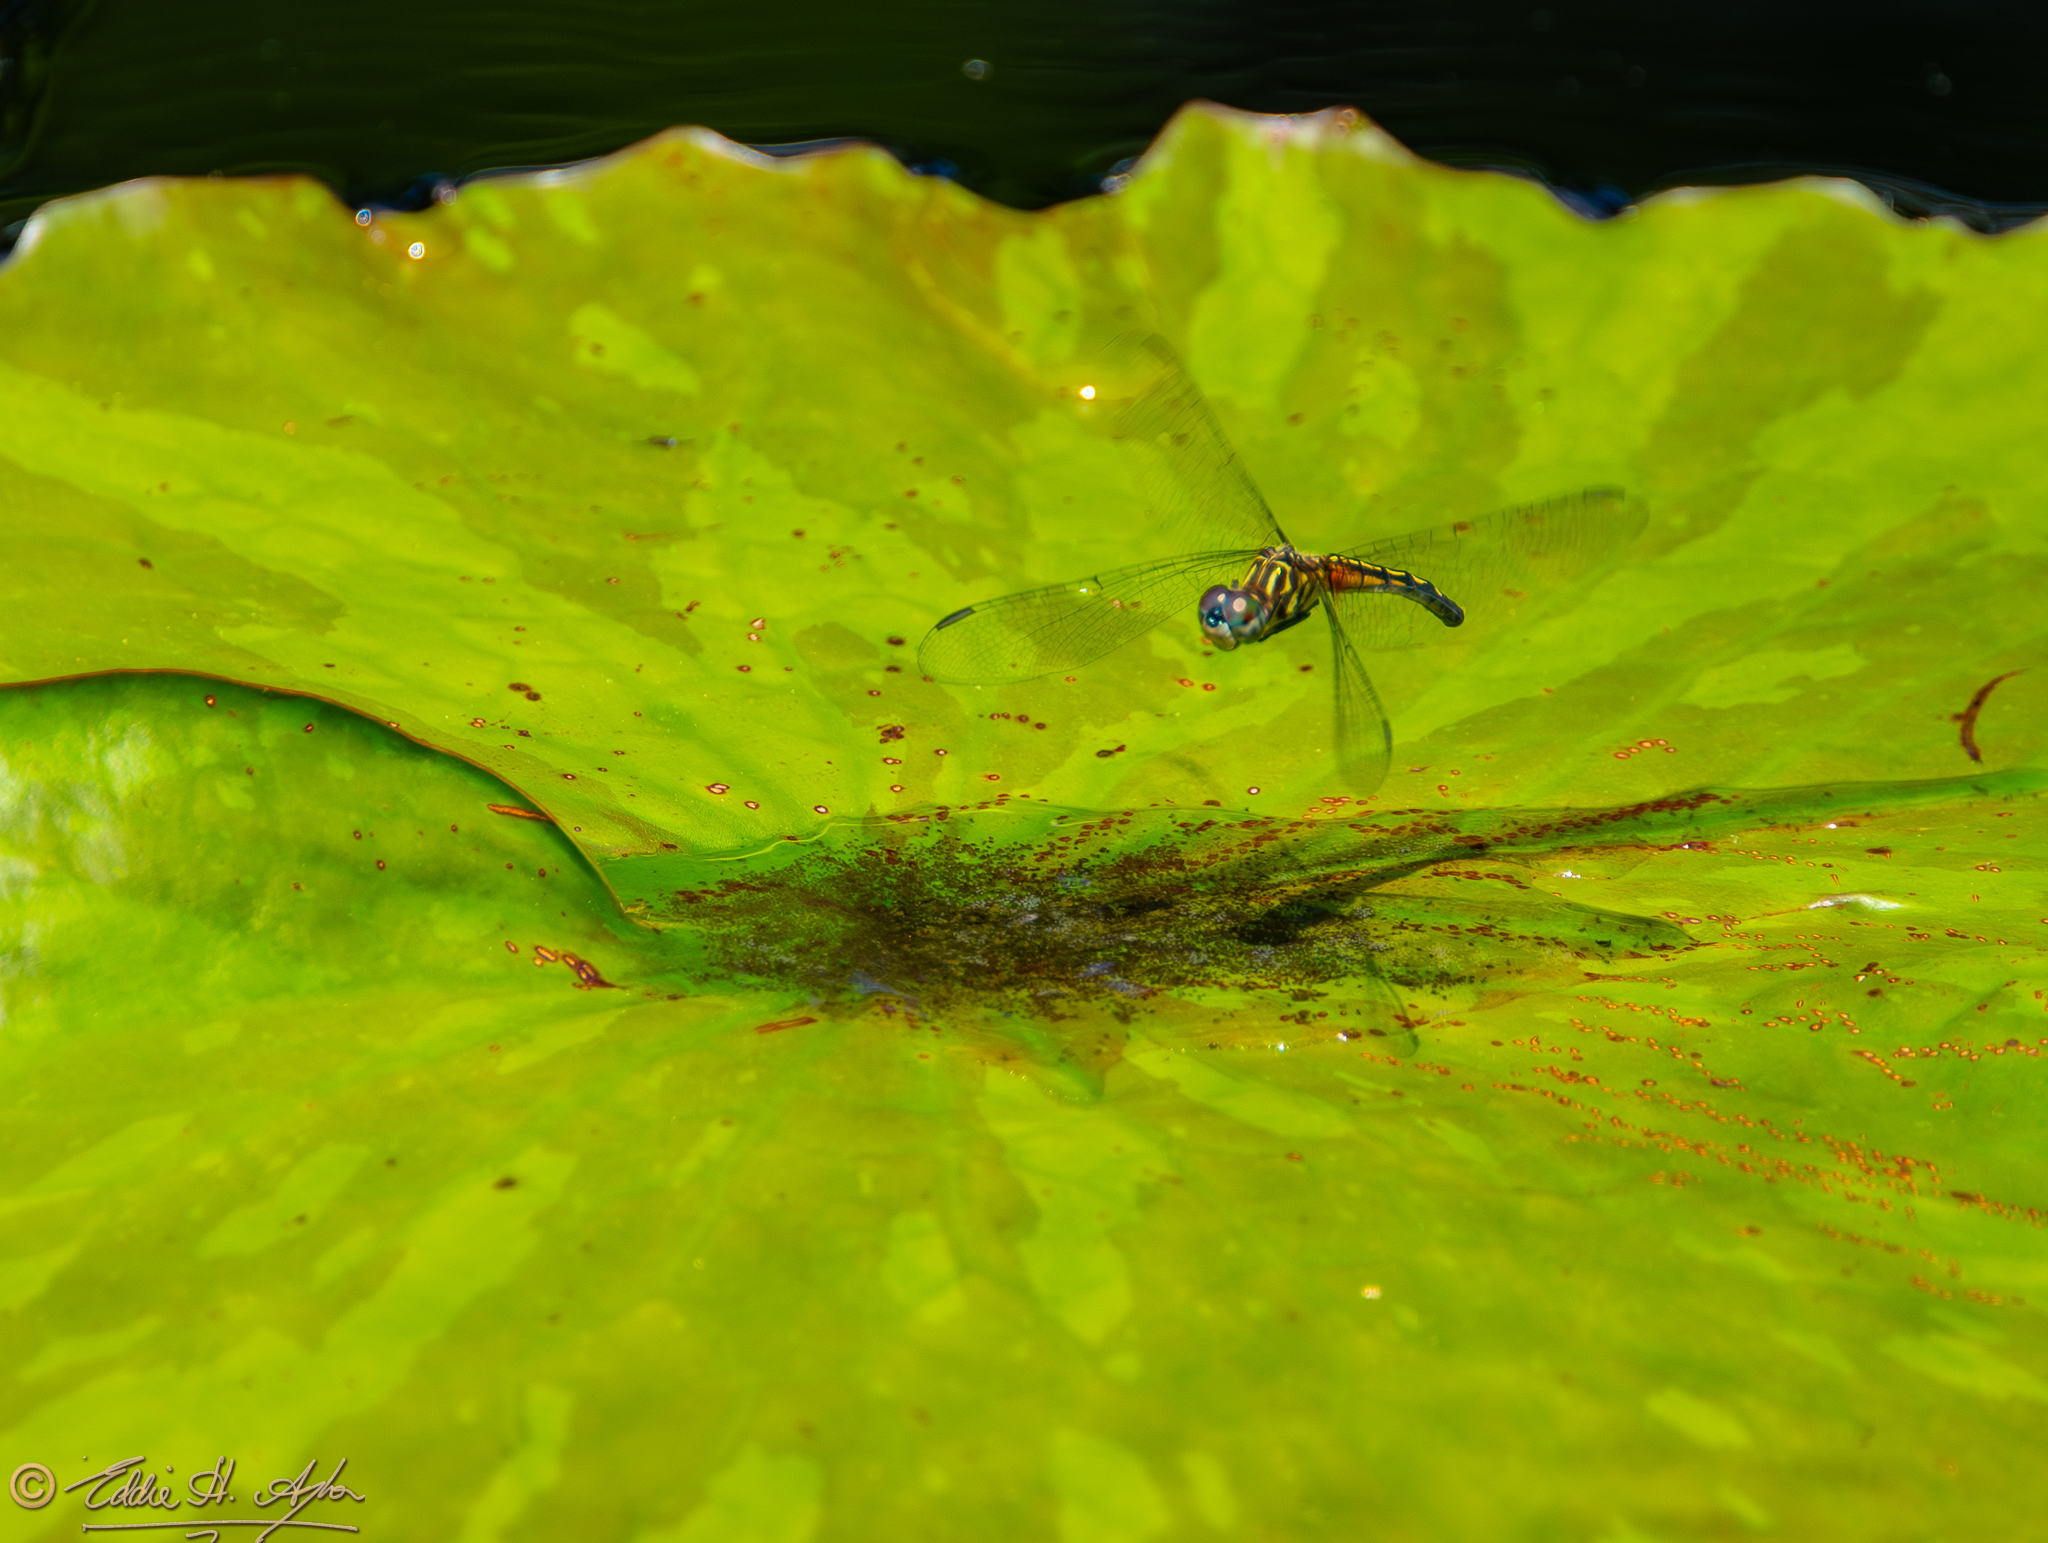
column 1940, row 107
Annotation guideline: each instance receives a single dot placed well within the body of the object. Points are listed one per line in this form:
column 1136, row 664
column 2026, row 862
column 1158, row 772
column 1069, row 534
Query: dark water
column 1941, row 108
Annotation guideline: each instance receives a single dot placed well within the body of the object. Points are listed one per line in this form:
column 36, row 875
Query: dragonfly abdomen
column 1348, row 573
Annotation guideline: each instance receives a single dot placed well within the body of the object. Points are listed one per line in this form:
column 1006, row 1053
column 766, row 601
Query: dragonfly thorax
column 1277, row 592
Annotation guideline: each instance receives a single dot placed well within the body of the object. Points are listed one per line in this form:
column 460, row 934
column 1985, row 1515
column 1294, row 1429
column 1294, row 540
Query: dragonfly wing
column 1492, row 566
column 1046, row 631
column 1363, row 739
column 1197, row 486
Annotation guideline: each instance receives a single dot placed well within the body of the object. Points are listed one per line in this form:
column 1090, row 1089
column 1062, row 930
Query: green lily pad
column 1626, row 1125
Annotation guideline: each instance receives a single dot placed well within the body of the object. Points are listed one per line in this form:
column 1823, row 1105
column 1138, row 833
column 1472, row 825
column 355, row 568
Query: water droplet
column 416, row 251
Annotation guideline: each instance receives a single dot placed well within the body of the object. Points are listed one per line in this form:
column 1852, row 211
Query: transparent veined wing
column 1201, row 496
column 1362, row 737
column 1492, row 566
column 1047, row 631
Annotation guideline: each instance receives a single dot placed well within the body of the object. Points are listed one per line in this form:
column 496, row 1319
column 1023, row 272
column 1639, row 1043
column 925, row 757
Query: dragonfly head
column 1232, row 616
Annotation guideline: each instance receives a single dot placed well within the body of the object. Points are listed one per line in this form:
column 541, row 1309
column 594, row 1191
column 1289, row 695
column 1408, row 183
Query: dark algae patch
column 1041, row 911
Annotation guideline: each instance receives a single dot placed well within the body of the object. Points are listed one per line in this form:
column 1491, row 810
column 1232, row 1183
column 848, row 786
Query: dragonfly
column 1242, row 581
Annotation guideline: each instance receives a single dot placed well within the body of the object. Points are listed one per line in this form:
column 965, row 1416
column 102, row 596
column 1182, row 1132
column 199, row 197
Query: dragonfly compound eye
column 1231, row 616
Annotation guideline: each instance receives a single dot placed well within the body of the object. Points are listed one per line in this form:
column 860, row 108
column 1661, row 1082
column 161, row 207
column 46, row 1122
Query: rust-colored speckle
column 1968, row 716
column 587, row 977
column 518, row 813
